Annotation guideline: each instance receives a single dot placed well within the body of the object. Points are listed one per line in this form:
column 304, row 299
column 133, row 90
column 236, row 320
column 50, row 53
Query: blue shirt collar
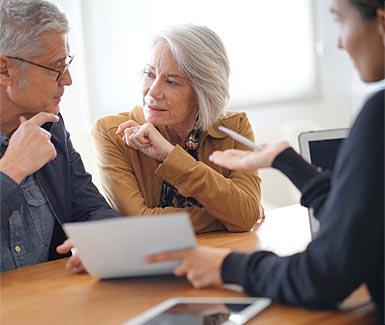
column 3, row 139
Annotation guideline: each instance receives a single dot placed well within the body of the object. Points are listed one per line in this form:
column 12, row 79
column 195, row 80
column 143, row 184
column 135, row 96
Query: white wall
column 331, row 108
column 341, row 94
column 339, row 97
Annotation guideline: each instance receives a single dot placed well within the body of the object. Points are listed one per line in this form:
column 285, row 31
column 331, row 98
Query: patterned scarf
column 170, row 197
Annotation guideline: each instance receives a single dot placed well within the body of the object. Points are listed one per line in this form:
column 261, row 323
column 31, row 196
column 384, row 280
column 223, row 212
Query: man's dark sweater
column 349, row 249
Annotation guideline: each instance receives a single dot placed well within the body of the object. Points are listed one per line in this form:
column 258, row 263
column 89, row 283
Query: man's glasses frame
column 59, row 73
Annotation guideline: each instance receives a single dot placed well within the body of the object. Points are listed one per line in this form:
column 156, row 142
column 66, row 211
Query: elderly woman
column 154, row 159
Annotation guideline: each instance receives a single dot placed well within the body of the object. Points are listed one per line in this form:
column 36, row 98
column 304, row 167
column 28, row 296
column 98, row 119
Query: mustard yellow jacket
column 132, row 181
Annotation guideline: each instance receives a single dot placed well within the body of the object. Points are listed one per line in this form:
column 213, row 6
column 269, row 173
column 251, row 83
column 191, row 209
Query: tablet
column 320, row 148
column 193, row 311
column 115, row 248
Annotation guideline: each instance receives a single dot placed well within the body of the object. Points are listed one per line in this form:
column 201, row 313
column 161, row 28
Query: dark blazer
column 349, row 248
column 67, row 186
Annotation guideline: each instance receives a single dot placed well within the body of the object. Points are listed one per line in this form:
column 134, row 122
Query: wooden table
column 48, row 294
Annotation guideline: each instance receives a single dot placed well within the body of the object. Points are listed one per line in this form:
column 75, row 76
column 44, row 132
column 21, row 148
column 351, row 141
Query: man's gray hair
column 22, row 23
column 202, row 57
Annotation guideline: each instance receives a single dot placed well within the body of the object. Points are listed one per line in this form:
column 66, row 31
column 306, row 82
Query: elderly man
column 42, row 177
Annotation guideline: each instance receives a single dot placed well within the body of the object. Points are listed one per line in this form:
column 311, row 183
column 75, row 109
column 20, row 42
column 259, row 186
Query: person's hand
column 73, row 264
column 30, row 147
column 249, row 160
column 145, row 138
column 200, row 265
column 127, row 128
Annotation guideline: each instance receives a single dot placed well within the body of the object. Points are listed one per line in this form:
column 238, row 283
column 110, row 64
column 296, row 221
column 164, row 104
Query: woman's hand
column 200, row 265
column 249, row 160
column 73, row 264
column 145, row 138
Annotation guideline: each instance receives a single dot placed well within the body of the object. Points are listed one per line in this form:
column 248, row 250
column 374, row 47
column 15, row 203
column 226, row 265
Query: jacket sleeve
column 313, row 184
column 87, row 202
column 121, row 187
column 233, row 201
column 11, row 197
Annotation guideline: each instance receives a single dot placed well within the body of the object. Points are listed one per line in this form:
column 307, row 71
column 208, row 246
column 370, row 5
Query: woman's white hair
column 202, row 57
column 22, row 23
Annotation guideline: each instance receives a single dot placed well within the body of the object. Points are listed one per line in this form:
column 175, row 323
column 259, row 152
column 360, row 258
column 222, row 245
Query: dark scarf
column 170, row 197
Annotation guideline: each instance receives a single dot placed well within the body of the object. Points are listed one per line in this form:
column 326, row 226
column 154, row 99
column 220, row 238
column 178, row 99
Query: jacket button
column 17, row 249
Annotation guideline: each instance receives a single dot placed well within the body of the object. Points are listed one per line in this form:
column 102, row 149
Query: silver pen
column 240, row 138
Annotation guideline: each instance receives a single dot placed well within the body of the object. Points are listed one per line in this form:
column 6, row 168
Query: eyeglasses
column 69, row 59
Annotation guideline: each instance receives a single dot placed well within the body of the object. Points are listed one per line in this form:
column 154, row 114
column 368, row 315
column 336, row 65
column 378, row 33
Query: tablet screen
column 199, row 313
column 323, row 153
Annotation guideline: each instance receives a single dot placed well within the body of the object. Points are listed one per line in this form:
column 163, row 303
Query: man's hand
column 30, row 147
column 201, row 265
column 73, row 264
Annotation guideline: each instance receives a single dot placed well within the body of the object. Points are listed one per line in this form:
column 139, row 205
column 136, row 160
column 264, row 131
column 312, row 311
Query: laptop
column 320, row 148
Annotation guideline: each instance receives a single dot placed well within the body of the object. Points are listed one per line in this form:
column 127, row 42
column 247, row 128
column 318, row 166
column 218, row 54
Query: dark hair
column 367, row 8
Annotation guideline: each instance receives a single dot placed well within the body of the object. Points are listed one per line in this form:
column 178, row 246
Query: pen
column 240, row 138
